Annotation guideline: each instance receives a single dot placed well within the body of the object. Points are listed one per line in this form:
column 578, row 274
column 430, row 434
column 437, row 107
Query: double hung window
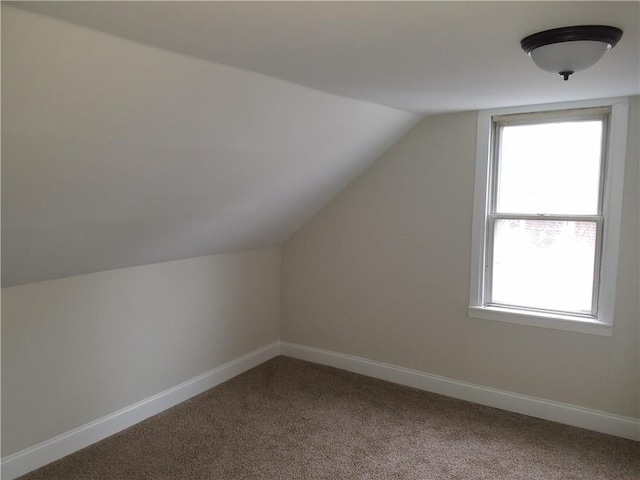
column 547, row 216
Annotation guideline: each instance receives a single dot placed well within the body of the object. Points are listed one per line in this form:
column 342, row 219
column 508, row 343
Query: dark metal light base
column 597, row 33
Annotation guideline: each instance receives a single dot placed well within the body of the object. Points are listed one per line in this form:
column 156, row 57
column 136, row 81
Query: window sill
column 542, row 320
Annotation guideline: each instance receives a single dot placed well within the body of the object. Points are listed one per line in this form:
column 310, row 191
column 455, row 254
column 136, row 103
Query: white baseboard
column 598, row 421
column 62, row 445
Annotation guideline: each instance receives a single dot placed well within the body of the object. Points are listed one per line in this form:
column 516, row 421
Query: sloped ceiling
column 150, row 131
column 117, row 154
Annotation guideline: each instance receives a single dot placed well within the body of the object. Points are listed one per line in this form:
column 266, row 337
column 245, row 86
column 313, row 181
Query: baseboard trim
column 62, row 445
column 567, row 414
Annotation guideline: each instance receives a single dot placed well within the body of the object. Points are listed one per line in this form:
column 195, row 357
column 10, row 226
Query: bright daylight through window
column 549, row 225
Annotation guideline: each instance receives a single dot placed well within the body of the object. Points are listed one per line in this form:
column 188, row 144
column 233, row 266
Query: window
column 548, row 200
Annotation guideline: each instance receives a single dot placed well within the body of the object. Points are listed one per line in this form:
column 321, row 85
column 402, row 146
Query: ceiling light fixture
column 570, row 49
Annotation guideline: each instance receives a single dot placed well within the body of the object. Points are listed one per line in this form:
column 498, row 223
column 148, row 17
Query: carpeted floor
column 289, row 419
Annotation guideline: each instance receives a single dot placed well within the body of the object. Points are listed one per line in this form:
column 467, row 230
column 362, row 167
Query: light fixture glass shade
column 568, row 56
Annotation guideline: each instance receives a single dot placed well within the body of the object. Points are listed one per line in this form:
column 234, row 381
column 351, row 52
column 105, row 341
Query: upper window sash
column 498, row 124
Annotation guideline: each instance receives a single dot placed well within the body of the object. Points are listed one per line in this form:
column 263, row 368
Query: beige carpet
column 288, row 419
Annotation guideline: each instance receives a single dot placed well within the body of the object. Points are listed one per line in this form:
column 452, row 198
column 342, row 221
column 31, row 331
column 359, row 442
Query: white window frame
column 613, row 180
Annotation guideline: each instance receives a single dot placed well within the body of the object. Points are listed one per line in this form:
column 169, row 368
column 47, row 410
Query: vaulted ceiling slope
column 117, row 154
column 424, row 57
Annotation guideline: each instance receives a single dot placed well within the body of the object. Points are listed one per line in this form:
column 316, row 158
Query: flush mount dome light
column 570, row 49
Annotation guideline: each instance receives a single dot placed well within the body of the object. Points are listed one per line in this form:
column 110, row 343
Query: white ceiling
column 423, row 57
column 118, row 153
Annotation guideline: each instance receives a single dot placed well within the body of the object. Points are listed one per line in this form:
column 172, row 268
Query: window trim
column 616, row 145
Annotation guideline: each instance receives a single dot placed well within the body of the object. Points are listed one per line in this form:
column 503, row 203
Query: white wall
column 383, row 273
column 79, row 348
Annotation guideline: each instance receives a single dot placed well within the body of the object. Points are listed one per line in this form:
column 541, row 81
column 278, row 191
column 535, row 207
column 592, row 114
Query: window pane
column 544, row 264
column 551, row 168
